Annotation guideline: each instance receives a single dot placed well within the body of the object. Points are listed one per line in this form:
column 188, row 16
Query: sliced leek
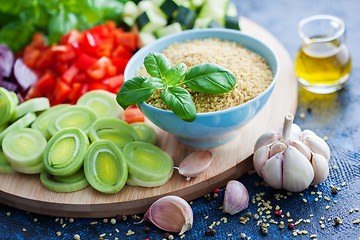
column 105, row 167
column 43, row 120
column 32, row 105
column 20, row 123
column 148, row 165
column 72, row 116
column 72, row 184
column 3, row 127
column 24, row 147
column 76, row 177
column 113, row 129
column 145, row 132
column 102, row 102
column 64, row 153
column 7, row 105
column 5, row 166
column 37, row 168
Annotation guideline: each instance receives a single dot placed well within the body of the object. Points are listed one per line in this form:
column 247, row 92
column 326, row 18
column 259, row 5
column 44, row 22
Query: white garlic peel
column 236, row 197
column 195, row 163
column 171, row 214
column 293, row 159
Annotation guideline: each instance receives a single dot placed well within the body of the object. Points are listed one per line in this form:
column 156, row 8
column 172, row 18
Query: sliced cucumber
column 24, row 147
column 105, row 167
column 64, row 153
column 20, row 123
column 5, row 166
column 145, row 132
column 169, row 7
column 186, row 17
column 147, row 163
column 57, row 186
column 7, row 105
column 102, row 102
column 72, row 116
column 169, row 29
column 42, row 121
column 32, row 105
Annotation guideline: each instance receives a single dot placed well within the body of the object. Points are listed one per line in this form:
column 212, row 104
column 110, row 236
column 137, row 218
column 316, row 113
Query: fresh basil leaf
column 210, row 78
column 60, row 24
column 175, row 74
column 180, row 102
column 155, row 83
column 132, row 92
column 16, row 34
column 156, row 65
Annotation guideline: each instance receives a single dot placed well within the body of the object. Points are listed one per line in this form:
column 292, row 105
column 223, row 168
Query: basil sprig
column 207, row 78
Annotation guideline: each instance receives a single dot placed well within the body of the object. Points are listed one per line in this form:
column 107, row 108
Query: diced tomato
column 133, row 114
column 121, row 52
column 106, row 48
column 69, row 74
column 90, row 43
column 45, row 83
column 120, row 63
column 66, row 53
column 80, row 78
column 99, row 70
column 114, row 82
column 85, row 61
column 75, row 92
column 59, row 67
column 38, row 41
column 127, row 39
column 62, row 90
column 111, row 25
column 73, row 36
column 30, row 56
column 45, row 60
column 97, row 86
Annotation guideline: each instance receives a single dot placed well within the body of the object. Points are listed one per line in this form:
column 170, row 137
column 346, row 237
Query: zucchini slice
column 42, row 121
column 105, row 167
column 145, row 132
column 20, row 123
column 5, row 166
column 64, row 153
column 72, row 183
column 72, row 116
column 169, row 7
column 186, row 17
column 150, row 20
column 24, row 147
column 102, row 102
column 147, row 163
column 32, row 105
column 169, row 29
column 7, row 105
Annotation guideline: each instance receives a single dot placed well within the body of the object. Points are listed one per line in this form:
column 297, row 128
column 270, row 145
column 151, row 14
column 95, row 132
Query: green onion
column 5, row 166
column 24, row 148
column 145, row 132
column 72, row 183
column 32, row 105
column 64, row 153
column 42, row 121
column 7, row 105
column 102, row 102
column 114, row 130
column 148, row 164
column 105, row 167
column 20, row 123
column 72, row 116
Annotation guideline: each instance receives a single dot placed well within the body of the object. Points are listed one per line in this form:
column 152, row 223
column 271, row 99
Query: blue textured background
column 335, row 116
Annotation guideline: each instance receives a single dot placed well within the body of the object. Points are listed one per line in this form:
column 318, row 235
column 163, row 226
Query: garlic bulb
column 293, row 159
column 171, row 213
column 236, row 197
column 195, row 163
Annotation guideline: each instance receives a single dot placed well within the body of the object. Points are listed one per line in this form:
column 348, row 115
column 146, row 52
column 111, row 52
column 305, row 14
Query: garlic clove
column 317, row 145
column 295, row 131
column 195, row 163
column 307, row 132
column 276, row 148
column 305, row 150
column 321, row 168
column 171, row 213
column 267, row 138
column 297, row 170
column 272, row 172
column 260, row 157
column 236, row 197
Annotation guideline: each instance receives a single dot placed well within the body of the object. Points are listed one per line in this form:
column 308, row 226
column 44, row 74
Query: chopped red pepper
column 133, row 114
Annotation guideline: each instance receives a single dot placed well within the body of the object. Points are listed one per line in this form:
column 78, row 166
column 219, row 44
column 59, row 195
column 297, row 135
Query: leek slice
column 133, row 181
column 24, row 147
column 147, row 163
column 102, row 102
column 145, row 132
column 43, row 120
column 37, row 168
column 72, row 116
column 3, row 127
column 7, row 105
column 32, row 105
column 71, row 185
column 105, row 167
column 20, row 123
column 113, row 129
column 5, row 166
column 76, row 177
column 64, row 153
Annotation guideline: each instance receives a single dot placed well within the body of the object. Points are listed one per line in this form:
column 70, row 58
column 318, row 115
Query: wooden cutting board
column 230, row 161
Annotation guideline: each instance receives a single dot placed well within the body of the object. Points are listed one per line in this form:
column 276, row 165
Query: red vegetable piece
column 85, row 61
column 121, row 52
column 45, row 60
column 99, row 70
column 73, row 36
column 69, row 74
column 62, row 90
column 38, row 41
column 133, row 114
column 30, row 56
column 127, row 39
column 114, row 82
column 75, row 93
column 90, row 43
column 80, row 78
column 97, row 86
column 120, row 63
column 45, row 83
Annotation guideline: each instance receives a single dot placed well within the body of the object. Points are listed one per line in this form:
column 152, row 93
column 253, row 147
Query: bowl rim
column 220, row 30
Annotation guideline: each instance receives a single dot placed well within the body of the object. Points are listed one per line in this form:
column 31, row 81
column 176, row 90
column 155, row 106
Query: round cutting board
column 230, row 160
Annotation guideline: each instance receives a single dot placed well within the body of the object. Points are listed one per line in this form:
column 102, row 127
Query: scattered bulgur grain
column 8, row 214
column 129, row 232
column 24, row 230
column 93, row 223
column 76, row 237
column 302, row 115
column 58, row 234
column 351, row 210
column 322, row 226
column 304, row 200
column 102, row 235
column 357, row 221
column 327, row 207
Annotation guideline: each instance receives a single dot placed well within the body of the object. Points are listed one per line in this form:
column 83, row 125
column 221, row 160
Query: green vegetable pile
column 20, row 19
column 208, row 78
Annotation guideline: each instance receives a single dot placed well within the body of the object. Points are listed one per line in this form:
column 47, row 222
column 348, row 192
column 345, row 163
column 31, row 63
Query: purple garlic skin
column 195, row 163
column 293, row 159
column 236, row 197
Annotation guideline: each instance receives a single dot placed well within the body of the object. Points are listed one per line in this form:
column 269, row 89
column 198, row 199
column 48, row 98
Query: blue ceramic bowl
column 213, row 128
